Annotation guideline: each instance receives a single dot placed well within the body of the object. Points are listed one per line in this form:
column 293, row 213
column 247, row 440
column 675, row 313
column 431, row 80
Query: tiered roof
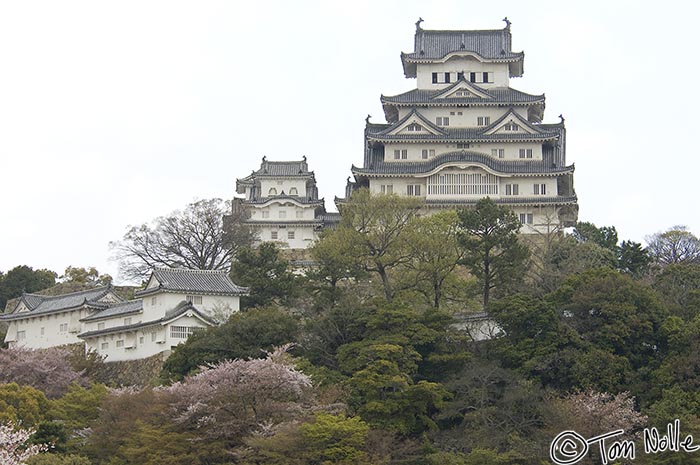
column 276, row 169
column 432, row 46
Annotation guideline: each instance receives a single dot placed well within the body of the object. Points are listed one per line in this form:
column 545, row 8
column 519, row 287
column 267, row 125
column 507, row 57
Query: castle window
column 414, row 127
column 458, row 184
column 300, row 213
column 290, row 234
column 525, row 153
column 463, row 146
column 460, row 75
column 485, row 77
column 100, row 326
column 498, row 153
column 282, row 213
column 425, row 153
column 21, row 335
column 266, row 214
column 401, row 154
column 447, row 77
column 154, row 300
column 272, row 191
column 43, row 330
column 387, row 188
column 512, row 189
column 413, row 189
column 104, row 346
column 195, row 299
column 483, row 120
column 273, row 235
column 293, row 191
column 63, row 327
column 442, row 121
column 120, row 343
column 435, row 78
column 472, row 77
column 511, row 127
column 526, row 218
column 539, row 189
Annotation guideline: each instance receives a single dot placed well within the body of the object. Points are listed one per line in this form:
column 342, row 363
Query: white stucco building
column 174, row 304
column 282, row 204
column 463, row 133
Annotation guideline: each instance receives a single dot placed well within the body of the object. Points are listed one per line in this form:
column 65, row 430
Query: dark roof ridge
column 84, row 291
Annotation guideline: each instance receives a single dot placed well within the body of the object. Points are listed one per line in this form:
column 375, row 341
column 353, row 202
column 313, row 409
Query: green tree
column 24, row 279
column 267, row 275
column 435, row 254
column 679, row 286
column 492, row 251
column 22, row 405
column 605, row 236
column 85, row 276
column 248, row 334
column 373, row 229
column 633, row 258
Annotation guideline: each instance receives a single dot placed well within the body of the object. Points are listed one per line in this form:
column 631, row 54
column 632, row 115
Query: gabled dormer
column 511, row 123
column 462, row 89
column 414, row 124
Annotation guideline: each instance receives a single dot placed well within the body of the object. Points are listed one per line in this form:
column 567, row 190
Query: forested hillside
column 370, row 356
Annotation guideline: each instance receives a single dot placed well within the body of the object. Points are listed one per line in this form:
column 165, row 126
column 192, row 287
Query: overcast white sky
column 114, row 113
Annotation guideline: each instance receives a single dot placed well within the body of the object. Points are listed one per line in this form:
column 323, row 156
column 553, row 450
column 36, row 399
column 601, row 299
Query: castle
column 462, row 134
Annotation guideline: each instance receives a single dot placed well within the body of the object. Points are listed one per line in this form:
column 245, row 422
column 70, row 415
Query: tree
column 677, row 245
column 88, row 277
column 24, row 279
column 249, row 334
column 492, row 251
column 605, row 236
column 47, row 370
column 679, row 285
column 267, row 275
column 234, row 398
column 13, row 445
column 194, row 238
column 435, row 254
column 633, row 258
column 373, row 229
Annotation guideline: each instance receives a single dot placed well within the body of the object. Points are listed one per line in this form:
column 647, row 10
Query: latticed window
column 415, row 127
column 182, row 332
column 195, row 299
column 462, row 184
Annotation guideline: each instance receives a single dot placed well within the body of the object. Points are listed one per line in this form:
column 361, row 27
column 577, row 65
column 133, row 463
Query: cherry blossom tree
column 47, row 370
column 14, row 449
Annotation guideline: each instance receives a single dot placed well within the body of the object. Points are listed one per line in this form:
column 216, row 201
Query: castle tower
column 463, row 133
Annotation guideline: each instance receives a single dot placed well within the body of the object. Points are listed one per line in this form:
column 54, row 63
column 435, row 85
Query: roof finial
column 561, row 117
column 418, row 28
column 264, row 158
column 507, row 22
column 367, row 119
column 303, row 157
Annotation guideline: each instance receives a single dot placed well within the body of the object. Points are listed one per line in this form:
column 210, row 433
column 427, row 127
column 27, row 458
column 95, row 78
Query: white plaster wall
column 467, row 119
column 415, row 151
column 141, row 343
column 166, row 301
column 424, row 72
column 304, row 236
column 282, row 185
column 51, row 323
column 526, row 186
column 399, row 185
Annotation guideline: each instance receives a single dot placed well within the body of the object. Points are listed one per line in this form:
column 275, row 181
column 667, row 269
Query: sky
column 115, row 113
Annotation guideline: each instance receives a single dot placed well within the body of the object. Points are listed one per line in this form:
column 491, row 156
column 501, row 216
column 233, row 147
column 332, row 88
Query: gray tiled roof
column 500, row 95
column 179, row 309
column 380, row 132
column 40, row 304
column 557, row 200
column 464, row 156
column 196, row 281
column 123, row 308
column 302, row 200
column 430, row 45
column 280, row 169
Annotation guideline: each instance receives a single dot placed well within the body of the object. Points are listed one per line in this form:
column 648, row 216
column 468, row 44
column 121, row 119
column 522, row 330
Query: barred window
column 195, row 299
column 182, row 332
column 463, row 184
